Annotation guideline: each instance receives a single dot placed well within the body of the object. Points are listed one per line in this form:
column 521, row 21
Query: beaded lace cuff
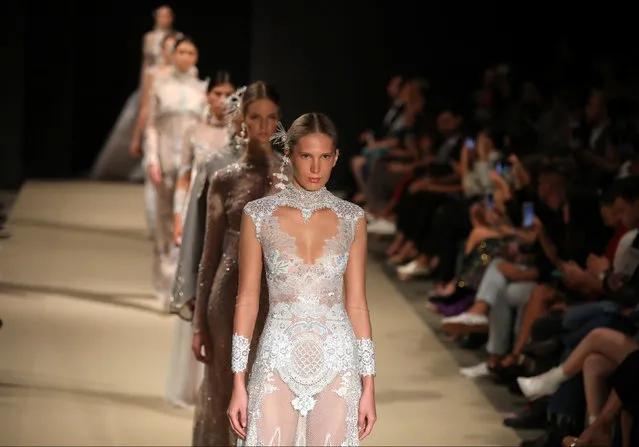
column 239, row 353
column 366, row 356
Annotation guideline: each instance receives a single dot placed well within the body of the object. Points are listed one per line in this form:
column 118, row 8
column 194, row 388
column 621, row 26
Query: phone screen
column 470, row 143
column 490, row 200
column 499, row 168
column 528, row 212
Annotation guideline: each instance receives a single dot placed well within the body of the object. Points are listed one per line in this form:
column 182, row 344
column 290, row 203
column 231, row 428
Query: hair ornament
column 233, row 104
column 280, row 137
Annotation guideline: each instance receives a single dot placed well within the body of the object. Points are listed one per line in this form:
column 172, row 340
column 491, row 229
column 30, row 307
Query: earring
column 242, row 140
column 207, row 113
column 282, row 175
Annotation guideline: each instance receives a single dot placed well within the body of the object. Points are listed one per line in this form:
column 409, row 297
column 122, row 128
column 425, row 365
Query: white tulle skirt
column 185, row 372
column 114, row 162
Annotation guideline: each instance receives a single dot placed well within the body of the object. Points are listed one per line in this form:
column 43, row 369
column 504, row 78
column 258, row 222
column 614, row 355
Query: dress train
column 185, row 371
column 114, row 162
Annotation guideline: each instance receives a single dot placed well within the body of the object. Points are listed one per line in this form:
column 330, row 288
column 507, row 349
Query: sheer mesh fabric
column 304, row 387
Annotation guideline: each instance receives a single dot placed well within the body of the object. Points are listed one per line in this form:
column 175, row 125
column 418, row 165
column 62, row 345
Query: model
column 312, row 380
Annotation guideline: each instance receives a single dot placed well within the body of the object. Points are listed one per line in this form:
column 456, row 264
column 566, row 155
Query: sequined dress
column 203, row 143
column 305, row 384
column 230, row 190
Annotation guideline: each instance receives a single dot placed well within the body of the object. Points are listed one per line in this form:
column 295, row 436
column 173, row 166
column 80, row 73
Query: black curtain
column 327, row 58
column 70, row 67
column 74, row 65
column 12, row 93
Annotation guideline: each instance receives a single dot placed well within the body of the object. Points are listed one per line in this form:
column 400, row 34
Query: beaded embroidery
column 308, row 345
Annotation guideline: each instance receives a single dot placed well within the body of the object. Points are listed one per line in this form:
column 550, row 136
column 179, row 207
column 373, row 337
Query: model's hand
column 177, row 230
column 134, row 149
column 199, row 347
column 238, row 409
column 155, row 174
column 367, row 413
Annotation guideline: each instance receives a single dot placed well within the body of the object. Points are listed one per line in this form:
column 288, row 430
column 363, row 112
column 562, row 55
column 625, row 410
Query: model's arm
column 356, row 305
column 143, row 113
column 357, row 310
column 152, row 155
column 147, row 51
column 184, row 175
column 248, row 295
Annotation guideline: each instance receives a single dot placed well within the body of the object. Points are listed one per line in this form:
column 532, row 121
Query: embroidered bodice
column 179, row 93
column 152, row 47
column 292, row 278
column 176, row 103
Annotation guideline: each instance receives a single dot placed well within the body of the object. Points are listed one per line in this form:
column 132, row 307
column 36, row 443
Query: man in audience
column 597, row 159
column 567, row 405
column 433, row 180
column 398, row 91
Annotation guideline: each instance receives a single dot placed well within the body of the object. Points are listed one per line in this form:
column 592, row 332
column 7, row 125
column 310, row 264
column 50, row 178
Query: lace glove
column 366, row 356
column 240, row 349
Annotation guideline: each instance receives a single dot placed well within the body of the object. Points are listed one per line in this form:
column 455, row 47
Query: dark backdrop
column 70, row 69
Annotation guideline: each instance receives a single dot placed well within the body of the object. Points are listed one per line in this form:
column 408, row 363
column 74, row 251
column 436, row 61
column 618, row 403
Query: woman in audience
column 587, row 281
column 435, row 181
column 383, row 223
column 452, row 222
column 394, row 135
column 488, row 238
column 617, row 349
column 386, row 171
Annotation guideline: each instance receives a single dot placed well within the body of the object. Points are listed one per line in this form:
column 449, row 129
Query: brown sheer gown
column 230, row 190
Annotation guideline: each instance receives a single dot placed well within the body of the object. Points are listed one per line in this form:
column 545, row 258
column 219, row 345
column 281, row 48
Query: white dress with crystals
column 305, row 384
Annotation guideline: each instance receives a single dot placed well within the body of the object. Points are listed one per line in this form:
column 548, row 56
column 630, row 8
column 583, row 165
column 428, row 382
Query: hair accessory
column 206, row 113
column 280, row 137
column 233, row 104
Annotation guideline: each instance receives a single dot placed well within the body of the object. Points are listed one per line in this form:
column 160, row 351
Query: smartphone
column 470, row 144
column 528, row 214
column 558, row 274
column 499, row 168
column 490, row 201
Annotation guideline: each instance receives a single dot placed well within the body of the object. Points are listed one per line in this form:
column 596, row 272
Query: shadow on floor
column 137, row 235
column 28, row 290
column 13, row 388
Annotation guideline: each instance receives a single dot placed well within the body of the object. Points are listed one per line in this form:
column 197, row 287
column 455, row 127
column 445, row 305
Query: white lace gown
column 305, row 384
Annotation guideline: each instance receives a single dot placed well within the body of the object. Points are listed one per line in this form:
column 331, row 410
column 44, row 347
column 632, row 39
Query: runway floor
column 84, row 350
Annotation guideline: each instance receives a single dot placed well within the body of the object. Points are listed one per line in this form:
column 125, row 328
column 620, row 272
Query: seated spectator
column 433, row 181
column 387, row 170
column 567, row 405
column 615, row 349
column 451, row 222
column 393, row 130
column 598, row 160
column 586, row 282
